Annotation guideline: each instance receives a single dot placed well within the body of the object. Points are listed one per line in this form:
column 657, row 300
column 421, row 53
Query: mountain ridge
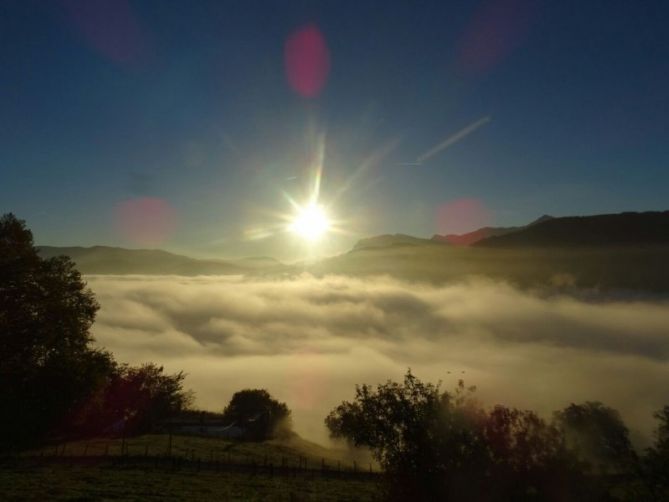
column 119, row 260
column 628, row 228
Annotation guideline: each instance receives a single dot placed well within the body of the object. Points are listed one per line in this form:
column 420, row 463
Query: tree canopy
column 444, row 446
column 47, row 363
column 52, row 378
column 598, row 434
column 262, row 416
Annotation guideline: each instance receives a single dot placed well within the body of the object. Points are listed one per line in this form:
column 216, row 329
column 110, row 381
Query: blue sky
column 103, row 103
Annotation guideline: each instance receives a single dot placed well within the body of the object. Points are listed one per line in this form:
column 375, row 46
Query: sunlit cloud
column 310, row 340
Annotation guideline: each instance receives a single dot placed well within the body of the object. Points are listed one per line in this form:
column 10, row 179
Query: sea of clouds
column 309, row 340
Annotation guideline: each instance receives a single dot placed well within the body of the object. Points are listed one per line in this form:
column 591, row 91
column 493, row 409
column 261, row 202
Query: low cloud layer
column 310, row 340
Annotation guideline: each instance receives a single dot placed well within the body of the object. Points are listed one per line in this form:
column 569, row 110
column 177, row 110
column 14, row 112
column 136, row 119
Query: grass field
column 291, row 451
column 60, row 482
column 35, row 477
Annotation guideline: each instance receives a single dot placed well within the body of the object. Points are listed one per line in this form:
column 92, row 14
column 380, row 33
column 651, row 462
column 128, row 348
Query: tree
column 444, row 446
column 133, row 400
column 259, row 414
column 597, row 433
column 47, row 364
column 655, row 464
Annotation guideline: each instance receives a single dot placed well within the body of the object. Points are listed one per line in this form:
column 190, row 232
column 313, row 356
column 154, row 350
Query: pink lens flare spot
column 307, row 61
column 496, row 30
column 461, row 216
column 309, row 380
column 111, row 28
column 147, row 221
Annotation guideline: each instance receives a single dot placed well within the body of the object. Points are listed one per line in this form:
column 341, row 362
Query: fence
column 145, row 456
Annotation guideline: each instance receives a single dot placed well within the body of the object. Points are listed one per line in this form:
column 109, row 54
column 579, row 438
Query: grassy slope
column 211, row 448
column 62, row 482
column 107, row 483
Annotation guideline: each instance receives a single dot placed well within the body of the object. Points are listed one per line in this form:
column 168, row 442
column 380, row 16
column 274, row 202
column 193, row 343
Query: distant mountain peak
column 651, row 227
column 541, row 219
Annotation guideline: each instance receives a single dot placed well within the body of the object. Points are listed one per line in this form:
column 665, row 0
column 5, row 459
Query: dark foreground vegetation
column 437, row 445
column 75, row 482
column 63, row 394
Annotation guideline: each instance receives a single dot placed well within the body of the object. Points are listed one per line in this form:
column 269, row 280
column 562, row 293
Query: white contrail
column 451, row 140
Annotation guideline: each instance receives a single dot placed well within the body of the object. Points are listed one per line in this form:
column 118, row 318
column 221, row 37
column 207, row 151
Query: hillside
column 632, row 268
column 240, row 452
column 472, row 237
column 391, row 240
column 600, row 230
column 115, row 260
column 483, row 233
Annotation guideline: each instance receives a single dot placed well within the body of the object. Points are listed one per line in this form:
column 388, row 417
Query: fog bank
column 310, row 340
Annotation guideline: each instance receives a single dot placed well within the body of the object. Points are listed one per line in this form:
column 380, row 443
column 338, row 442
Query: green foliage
column 598, row 434
column 51, row 377
column 47, row 365
column 655, row 464
column 133, row 400
column 259, row 414
column 444, row 446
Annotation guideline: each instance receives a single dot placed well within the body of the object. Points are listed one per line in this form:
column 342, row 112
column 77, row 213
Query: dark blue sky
column 184, row 110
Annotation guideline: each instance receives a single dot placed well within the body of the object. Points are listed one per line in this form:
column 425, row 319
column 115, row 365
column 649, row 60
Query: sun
column 310, row 222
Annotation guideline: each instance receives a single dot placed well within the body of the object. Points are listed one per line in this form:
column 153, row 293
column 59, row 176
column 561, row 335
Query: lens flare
column 310, row 222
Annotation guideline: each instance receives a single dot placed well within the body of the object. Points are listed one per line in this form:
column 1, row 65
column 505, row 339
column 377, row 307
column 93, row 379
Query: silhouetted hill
column 259, row 262
column 472, row 237
column 599, row 230
column 623, row 252
column 113, row 260
column 391, row 240
column 483, row 233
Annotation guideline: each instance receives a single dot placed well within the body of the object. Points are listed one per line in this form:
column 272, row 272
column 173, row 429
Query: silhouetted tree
column 655, row 464
column 259, row 414
column 598, row 435
column 133, row 400
column 47, row 364
column 444, row 446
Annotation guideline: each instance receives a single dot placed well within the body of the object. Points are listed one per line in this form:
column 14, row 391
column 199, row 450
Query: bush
column 134, row 400
column 444, row 446
column 598, row 435
column 261, row 416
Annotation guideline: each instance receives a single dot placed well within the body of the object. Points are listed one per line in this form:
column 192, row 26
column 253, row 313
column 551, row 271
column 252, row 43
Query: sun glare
column 310, row 222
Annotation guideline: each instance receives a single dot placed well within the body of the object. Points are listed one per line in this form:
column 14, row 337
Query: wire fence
column 144, row 455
